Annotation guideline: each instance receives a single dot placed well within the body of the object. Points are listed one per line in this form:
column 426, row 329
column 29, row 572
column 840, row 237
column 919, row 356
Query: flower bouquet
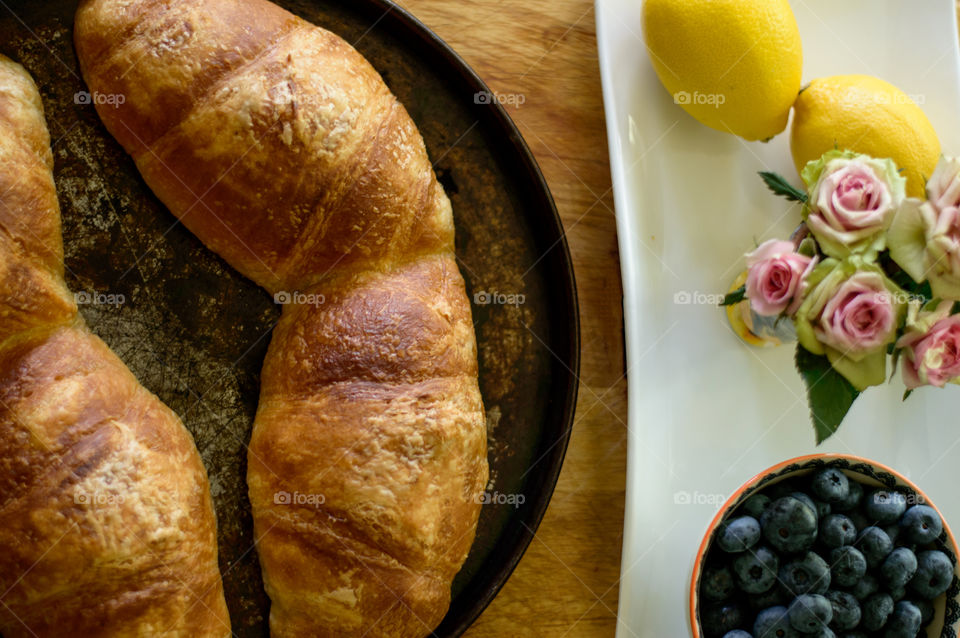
column 869, row 275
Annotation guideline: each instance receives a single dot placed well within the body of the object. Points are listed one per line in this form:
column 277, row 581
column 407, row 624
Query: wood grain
column 544, row 53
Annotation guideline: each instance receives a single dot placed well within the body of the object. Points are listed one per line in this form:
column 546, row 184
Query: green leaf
column 735, row 296
column 906, row 394
column 955, row 308
column 780, row 186
column 828, row 393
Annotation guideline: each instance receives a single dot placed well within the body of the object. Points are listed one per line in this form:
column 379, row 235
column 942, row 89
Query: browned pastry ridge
column 106, row 522
column 282, row 149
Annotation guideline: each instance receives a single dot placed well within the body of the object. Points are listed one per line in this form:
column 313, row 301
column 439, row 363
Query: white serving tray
column 706, row 412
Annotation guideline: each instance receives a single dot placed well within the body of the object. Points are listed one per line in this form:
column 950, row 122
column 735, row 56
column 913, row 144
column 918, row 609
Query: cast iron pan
column 195, row 332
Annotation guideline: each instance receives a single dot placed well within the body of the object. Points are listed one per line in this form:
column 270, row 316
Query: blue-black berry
column 848, row 566
column 789, row 525
column 774, row 621
column 905, row 622
column 756, row 570
column 934, row 574
column 837, row 530
column 810, row 612
column 807, row 575
column 739, row 534
column 875, row 545
column 883, row 507
column 846, row 610
column 830, row 485
column 717, row 583
column 921, row 524
column 898, row 568
column 875, row 611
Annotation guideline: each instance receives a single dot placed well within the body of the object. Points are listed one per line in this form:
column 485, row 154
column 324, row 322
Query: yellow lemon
column 866, row 115
column 735, row 65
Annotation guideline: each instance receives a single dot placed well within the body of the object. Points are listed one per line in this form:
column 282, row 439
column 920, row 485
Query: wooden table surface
column 545, row 51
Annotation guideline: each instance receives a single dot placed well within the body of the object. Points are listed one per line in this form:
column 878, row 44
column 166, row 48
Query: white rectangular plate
column 706, row 412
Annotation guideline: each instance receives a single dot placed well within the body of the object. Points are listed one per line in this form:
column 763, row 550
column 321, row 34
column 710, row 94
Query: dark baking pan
column 195, row 332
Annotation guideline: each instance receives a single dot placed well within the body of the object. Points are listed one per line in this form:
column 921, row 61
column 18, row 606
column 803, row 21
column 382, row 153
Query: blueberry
column 737, row 633
column 823, row 632
column 926, row 611
column 897, row 593
column 883, row 507
column 755, row 505
column 756, row 571
column 717, row 583
column 876, row 611
column 789, row 525
column 809, row 612
column 738, row 534
column 934, row 574
column 837, row 530
column 848, row 566
column 808, row 575
column 867, row 585
column 921, row 524
column 846, row 610
column 853, row 499
column 719, row 618
column 774, row 621
column 830, row 485
column 898, row 568
column 854, row 634
column 875, row 545
column 905, row 621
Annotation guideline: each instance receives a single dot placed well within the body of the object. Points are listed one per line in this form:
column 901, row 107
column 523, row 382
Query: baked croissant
column 282, row 149
column 106, row 522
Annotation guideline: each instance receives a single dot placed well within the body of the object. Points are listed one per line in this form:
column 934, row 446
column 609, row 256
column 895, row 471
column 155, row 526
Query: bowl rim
column 735, row 496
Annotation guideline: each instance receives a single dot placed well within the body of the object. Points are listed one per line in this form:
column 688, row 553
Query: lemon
column 866, row 115
column 735, row 65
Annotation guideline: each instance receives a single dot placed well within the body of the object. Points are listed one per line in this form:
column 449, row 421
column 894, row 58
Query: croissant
column 282, row 149
column 106, row 521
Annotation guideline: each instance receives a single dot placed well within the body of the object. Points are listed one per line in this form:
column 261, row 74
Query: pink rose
column 852, row 202
column 859, row 317
column 931, row 356
column 776, row 277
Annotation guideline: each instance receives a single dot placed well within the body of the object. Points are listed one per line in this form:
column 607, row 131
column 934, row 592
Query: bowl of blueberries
column 827, row 546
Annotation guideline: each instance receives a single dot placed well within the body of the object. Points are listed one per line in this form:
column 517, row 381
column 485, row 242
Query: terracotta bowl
column 946, row 621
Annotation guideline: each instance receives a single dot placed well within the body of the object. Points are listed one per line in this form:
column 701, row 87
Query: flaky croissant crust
column 281, row 148
column 106, row 522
